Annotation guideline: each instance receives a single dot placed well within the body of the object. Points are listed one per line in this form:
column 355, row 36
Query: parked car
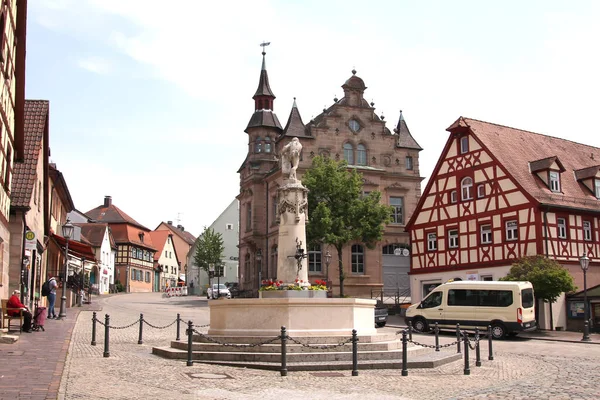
column 381, row 315
column 217, row 290
column 234, row 288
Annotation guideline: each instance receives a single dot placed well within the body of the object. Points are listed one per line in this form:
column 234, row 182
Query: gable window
column 431, row 242
column 349, row 153
column 562, row 228
column 358, row 259
column 314, row 258
column 464, row 144
column 554, row 181
column 397, row 210
column 480, row 191
column 361, row 155
column 453, row 196
column 409, row 163
column 512, row 232
column 587, row 230
column 596, row 187
column 453, row 238
column 353, row 125
column 486, row 234
column 267, row 144
column 466, row 186
column 229, row 227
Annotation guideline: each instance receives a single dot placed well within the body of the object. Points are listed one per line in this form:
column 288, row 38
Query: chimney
column 180, row 227
column 107, row 201
column 170, row 222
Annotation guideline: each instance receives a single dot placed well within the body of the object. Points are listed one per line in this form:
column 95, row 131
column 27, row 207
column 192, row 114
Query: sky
column 149, row 99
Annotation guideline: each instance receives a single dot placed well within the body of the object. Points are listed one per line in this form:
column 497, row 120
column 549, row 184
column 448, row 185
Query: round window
column 354, row 125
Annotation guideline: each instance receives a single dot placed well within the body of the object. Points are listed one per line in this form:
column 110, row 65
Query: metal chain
column 322, row 347
column 269, row 341
column 118, row 327
column 475, row 339
column 160, row 327
column 430, row 345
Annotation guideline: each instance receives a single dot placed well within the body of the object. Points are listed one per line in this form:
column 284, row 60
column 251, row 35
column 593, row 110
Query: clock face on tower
column 354, row 125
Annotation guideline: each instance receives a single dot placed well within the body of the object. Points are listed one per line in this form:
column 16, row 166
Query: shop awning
column 77, row 249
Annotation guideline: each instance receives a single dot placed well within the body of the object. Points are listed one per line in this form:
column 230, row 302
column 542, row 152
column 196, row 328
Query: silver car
column 218, row 290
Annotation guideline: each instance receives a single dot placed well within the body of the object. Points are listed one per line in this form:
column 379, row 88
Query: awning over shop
column 77, row 249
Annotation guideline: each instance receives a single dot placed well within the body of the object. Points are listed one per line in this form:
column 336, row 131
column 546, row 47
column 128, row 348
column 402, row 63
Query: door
column 395, row 276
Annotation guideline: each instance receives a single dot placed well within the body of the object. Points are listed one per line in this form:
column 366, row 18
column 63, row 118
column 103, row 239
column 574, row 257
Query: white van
column 509, row 307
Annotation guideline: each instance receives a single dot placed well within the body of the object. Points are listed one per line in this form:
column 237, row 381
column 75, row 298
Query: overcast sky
column 149, row 99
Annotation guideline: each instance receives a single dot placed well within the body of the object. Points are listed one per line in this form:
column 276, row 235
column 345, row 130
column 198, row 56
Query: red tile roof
column 159, row 238
column 179, row 231
column 112, row 214
column 94, row 233
column 515, row 149
column 24, row 176
column 124, row 233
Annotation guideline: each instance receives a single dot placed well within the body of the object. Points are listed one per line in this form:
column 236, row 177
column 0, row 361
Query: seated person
column 16, row 304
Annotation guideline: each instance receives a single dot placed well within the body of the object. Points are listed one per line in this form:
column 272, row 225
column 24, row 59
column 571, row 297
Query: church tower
column 263, row 131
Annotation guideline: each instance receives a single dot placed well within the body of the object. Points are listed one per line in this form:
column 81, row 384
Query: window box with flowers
column 299, row 289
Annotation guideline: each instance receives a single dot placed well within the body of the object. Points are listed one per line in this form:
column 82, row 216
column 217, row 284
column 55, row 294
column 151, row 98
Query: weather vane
column 263, row 45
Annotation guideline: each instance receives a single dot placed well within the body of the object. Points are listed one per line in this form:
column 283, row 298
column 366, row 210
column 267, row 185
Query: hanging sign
column 30, row 242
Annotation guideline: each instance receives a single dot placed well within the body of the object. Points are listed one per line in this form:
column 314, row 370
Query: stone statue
column 290, row 157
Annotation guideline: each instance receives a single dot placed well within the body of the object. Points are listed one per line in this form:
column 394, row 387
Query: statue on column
column 290, row 158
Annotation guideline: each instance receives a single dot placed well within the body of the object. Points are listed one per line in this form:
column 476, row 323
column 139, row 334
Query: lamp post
column 67, row 231
column 584, row 261
column 259, row 266
column 327, row 262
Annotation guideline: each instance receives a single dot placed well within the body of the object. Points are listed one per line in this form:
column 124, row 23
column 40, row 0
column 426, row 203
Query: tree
column 339, row 213
column 548, row 277
column 209, row 249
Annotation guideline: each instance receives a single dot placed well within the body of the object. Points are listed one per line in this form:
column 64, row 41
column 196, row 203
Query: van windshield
column 527, row 298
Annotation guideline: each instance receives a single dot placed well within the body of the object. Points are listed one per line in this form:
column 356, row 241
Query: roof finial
column 294, row 105
column 353, row 71
column 263, row 45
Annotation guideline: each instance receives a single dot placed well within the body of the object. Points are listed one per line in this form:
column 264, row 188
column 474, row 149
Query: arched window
column 466, row 186
column 361, row 155
column 258, row 145
column 267, row 144
column 349, row 153
column 358, row 259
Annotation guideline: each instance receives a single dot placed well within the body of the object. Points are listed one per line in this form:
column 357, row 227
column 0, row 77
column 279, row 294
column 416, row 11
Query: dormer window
column 464, row 144
column 597, row 188
column 141, row 235
column 466, row 186
column 554, row 181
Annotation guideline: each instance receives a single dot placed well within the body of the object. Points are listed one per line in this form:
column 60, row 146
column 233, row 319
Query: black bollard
column 437, row 337
column 106, row 335
column 178, row 326
column 458, row 337
column 354, row 353
column 490, row 355
column 410, row 330
column 140, row 341
column 283, row 352
column 467, row 370
column 94, row 328
column 404, row 354
column 477, row 353
column 190, row 333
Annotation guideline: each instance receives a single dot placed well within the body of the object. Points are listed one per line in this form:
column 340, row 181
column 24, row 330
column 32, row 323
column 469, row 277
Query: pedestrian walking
column 49, row 290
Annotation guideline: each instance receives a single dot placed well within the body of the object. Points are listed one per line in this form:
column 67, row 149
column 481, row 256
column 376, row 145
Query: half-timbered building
column 498, row 194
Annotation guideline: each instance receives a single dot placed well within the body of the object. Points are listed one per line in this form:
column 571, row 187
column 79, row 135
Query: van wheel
column 498, row 331
column 420, row 325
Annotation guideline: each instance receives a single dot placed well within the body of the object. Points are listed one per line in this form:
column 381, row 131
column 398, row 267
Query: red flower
column 280, row 282
column 301, row 281
column 296, row 280
column 263, row 282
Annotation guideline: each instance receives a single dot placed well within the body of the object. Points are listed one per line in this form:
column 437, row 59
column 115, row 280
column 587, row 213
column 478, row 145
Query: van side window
column 481, row 298
column 527, row 298
column 462, row 297
column 433, row 300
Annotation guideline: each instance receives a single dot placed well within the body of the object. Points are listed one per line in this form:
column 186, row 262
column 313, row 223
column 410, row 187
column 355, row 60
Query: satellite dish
column 398, row 252
column 405, row 252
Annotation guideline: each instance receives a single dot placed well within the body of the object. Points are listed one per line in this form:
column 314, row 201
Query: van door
column 527, row 306
column 432, row 307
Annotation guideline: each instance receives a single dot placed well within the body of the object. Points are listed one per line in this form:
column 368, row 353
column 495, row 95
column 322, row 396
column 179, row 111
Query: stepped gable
column 25, row 172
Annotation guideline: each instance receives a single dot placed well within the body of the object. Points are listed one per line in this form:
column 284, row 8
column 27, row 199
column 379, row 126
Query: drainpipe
column 267, row 232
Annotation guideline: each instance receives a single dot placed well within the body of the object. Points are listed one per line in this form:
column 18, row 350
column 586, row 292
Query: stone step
column 292, row 347
column 383, row 337
column 174, row 353
column 8, row 339
column 431, row 359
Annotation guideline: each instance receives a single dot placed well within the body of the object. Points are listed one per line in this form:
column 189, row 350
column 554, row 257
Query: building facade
column 99, row 237
column 166, row 263
column 348, row 129
column 498, row 194
column 182, row 241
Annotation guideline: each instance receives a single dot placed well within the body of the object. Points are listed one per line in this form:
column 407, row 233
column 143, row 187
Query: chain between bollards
column 140, row 341
column 436, row 329
column 404, row 354
column 354, row 353
column 190, row 332
column 106, row 335
column 467, row 370
column 491, row 354
column 94, row 328
column 178, row 326
column 458, row 339
column 477, row 353
column 283, row 370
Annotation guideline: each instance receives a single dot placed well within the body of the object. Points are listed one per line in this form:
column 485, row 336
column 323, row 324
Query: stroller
column 39, row 318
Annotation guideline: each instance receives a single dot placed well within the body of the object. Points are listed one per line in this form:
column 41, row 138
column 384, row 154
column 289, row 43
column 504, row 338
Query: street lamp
column 584, row 261
column 67, row 231
column 327, row 262
column 259, row 266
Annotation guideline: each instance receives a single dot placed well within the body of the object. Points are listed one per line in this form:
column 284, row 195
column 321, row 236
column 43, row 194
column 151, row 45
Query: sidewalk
column 396, row 321
column 32, row 367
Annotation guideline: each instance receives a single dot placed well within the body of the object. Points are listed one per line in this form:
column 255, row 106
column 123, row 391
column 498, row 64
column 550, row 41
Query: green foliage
column 119, row 286
column 209, row 249
column 338, row 212
column 548, row 277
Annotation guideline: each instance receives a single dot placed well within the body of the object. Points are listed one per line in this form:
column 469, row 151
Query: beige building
column 348, row 129
column 182, row 241
column 166, row 264
column 13, row 28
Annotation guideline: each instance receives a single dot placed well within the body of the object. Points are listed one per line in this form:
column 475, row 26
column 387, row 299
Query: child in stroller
column 39, row 318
